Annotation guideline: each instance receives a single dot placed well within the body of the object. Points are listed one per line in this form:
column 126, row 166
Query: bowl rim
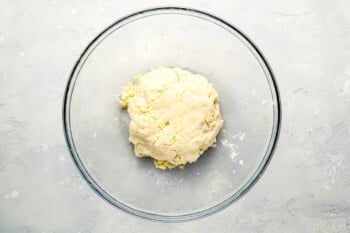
column 277, row 116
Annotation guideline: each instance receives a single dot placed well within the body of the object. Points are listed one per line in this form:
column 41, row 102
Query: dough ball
column 174, row 116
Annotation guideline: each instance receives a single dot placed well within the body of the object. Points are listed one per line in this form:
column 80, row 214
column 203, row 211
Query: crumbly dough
column 174, row 116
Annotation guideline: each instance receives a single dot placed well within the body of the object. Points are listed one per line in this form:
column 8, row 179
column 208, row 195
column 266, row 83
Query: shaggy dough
column 174, row 116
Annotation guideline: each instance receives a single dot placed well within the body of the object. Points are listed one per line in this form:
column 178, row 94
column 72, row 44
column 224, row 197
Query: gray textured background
column 306, row 188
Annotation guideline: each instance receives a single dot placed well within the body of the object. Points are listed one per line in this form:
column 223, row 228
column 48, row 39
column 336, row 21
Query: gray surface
column 306, row 187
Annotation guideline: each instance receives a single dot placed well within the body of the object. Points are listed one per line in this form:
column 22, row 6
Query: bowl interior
column 98, row 127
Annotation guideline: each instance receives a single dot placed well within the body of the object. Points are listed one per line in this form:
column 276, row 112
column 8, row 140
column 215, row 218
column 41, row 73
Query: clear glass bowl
column 96, row 128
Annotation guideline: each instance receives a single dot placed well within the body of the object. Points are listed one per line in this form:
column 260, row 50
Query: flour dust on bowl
column 96, row 128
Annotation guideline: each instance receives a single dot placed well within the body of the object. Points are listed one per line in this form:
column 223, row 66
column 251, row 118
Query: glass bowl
column 96, row 128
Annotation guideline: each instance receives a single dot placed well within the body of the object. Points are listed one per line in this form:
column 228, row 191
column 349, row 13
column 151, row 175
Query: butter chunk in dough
column 174, row 116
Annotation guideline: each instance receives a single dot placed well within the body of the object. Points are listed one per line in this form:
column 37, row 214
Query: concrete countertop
column 306, row 188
